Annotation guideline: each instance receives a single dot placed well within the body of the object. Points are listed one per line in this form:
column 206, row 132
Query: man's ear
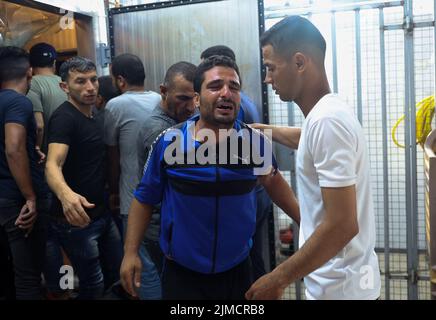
column 64, row 87
column 300, row 61
column 163, row 91
column 197, row 100
column 29, row 74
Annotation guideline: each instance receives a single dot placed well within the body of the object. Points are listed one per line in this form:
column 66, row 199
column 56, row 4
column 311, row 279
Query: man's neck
column 83, row 108
column 166, row 110
column 312, row 94
column 134, row 89
column 201, row 124
column 17, row 86
column 48, row 71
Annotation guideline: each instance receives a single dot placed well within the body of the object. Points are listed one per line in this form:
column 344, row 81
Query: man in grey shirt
column 124, row 120
column 177, row 106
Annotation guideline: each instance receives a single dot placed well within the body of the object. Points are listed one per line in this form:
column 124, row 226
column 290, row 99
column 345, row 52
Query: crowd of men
column 165, row 195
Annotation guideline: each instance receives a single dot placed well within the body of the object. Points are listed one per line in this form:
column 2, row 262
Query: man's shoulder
column 10, row 98
column 65, row 110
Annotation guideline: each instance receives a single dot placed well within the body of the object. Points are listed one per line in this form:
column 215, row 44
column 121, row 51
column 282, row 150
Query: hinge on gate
column 408, row 24
column 413, row 276
column 103, row 54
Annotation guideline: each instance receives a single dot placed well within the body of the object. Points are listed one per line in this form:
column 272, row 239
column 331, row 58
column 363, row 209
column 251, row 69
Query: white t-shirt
column 332, row 152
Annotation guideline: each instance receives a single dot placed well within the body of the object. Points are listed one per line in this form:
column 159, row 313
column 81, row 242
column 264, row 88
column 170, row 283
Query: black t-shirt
column 17, row 108
column 83, row 168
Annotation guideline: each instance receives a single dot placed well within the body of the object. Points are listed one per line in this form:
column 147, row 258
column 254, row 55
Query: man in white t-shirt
column 337, row 228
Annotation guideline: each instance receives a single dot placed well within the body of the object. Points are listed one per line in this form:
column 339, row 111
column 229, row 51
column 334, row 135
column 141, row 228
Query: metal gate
column 381, row 59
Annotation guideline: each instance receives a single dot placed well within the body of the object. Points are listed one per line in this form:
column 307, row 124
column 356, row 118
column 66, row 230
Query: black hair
column 130, row 67
column 106, row 88
column 183, row 68
column 79, row 64
column 219, row 50
column 208, row 64
column 293, row 34
column 14, row 63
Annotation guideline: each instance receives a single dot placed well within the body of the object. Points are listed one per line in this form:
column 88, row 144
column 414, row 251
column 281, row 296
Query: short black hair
column 79, row 64
column 183, row 68
column 106, row 88
column 293, row 34
column 42, row 55
column 14, row 63
column 208, row 64
column 130, row 67
column 219, row 50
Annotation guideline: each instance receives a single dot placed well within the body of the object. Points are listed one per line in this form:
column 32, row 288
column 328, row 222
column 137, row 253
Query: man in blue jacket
column 204, row 172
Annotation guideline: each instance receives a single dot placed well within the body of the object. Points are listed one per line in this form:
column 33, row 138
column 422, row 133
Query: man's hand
column 27, row 216
column 114, row 202
column 268, row 287
column 130, row 273
column 73, row 205
column 41, row 155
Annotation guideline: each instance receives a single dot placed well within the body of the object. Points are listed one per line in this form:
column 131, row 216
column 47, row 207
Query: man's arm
column 139, row 218
column 288, row 136
column 73, row 204
column 18, row 162
column 282, row 195
column 39, row 119
column 336, row 230
column 113, row 158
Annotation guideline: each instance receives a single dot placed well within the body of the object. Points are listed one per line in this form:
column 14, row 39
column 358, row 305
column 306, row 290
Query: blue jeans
column 150, row 288
column 89, row 249
column 27, row 252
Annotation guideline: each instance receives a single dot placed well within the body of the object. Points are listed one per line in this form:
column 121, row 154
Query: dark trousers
column 256, row 254
column 180, row 283
column 27, row 252
column 7, row 288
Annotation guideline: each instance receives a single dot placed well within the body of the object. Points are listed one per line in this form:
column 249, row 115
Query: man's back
column 16, row 108
column 332, row 153
column 125, row 116
column 46, row 96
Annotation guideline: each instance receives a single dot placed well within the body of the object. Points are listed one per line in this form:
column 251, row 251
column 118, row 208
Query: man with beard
column 208, row 208
column 177, row 92
column 23, row 198
column 75, row 173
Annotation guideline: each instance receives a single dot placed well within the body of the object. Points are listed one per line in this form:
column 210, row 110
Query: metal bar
column 385, row 154
column 265, row 116
column 111, row 33
column 411, row 171
column 424, row 24
column 158, row 5
column 265, row 110
column 283, row 11
column 358, row 65
column 334, row 54
column 295, row 230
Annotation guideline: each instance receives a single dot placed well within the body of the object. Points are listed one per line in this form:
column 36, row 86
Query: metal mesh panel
column 372, row 123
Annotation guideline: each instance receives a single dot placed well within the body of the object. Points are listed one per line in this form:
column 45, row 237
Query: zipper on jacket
column 218, row 178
